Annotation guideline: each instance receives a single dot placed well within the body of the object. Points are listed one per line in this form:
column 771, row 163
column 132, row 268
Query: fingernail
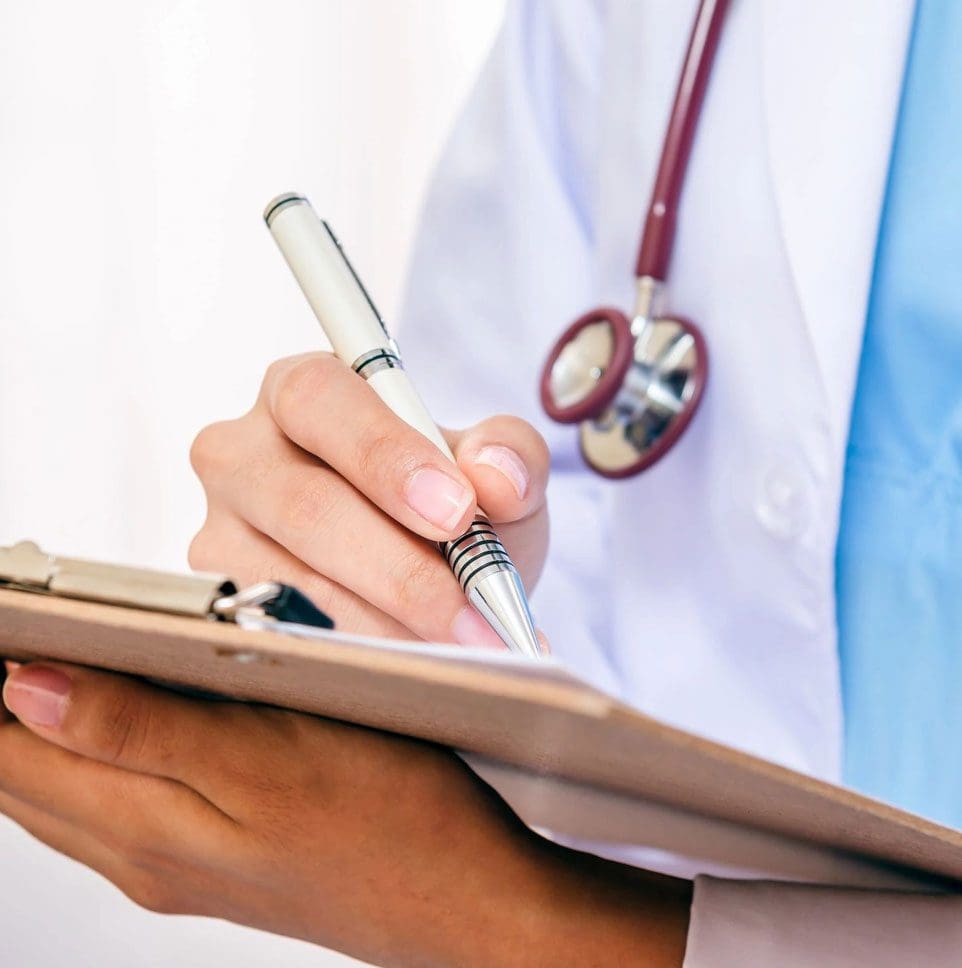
column 509, row 463
column 438, row 498
column 469, row 628
column 37, row 695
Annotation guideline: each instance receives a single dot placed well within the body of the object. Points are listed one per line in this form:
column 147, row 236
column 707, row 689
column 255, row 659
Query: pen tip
column 500, row 598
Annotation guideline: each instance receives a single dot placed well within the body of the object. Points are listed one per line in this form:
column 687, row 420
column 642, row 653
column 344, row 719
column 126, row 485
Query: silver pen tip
column 500, row 598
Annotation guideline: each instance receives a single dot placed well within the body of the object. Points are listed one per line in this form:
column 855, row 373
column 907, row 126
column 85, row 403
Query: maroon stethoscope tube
column 654, row 253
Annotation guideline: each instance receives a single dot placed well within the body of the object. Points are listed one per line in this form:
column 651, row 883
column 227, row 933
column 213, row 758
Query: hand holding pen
column 347, row 314
column 322, row 486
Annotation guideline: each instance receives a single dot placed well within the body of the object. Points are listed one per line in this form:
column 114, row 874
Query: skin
column 382, row 847
column 319, row 467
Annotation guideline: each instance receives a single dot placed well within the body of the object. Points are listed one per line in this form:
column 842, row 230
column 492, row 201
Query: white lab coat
column 703, row 591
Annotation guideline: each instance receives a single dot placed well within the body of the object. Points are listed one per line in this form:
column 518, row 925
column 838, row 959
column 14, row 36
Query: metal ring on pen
column 476, row 553
column 375, row 361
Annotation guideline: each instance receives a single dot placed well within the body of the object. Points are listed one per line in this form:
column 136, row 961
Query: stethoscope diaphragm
column 632, row 387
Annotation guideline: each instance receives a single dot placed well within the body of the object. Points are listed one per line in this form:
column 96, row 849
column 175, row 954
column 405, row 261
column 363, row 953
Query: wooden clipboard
column 566, row 756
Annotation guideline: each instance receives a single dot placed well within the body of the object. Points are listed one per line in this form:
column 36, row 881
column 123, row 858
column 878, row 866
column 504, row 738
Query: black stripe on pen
column 495, row 548
column 280, row 203
column 498, row 561
column 386, row 355
column 480, row 542
column 472, row 532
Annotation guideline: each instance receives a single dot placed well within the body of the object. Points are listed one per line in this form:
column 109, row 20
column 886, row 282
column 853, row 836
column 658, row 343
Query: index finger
column 327, row 409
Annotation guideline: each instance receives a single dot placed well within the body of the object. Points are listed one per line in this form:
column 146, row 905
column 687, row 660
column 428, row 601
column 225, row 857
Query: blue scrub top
column 899, row 563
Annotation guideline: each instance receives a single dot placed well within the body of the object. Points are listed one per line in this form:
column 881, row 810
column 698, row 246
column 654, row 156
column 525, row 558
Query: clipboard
column 566, row 756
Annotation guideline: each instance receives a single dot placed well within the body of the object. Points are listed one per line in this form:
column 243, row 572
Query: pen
column 359, row 337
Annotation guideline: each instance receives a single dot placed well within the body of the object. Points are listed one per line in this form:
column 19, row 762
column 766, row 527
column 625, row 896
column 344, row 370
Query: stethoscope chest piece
column 632, row 387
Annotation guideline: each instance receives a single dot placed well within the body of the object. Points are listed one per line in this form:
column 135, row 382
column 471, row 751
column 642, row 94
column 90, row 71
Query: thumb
column 113, row 718
column 507, row 461
column 6, row 667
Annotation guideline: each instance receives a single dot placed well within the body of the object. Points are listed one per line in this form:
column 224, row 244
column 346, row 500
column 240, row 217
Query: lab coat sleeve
column 503, row 261
column 749, row 924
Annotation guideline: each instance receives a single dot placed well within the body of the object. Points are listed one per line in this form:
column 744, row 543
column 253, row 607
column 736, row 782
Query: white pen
column 359, row 337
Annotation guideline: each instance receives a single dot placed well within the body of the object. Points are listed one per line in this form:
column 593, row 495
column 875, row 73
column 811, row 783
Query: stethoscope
column 634, row 386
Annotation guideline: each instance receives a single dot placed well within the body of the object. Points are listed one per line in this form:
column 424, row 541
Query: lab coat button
column 783, row 503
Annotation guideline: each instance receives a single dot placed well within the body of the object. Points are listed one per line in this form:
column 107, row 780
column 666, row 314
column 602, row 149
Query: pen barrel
column 344, row 309
column 395, row 388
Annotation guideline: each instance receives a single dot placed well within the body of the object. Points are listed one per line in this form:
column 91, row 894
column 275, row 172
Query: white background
column 141, row 297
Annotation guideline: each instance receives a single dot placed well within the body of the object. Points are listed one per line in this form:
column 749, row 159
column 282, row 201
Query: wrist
column 563, row 907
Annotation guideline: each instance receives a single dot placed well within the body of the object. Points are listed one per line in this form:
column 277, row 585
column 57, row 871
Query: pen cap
column 341, row 304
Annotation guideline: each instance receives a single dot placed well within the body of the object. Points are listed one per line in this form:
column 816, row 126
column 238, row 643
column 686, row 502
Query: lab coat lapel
column 830, row 106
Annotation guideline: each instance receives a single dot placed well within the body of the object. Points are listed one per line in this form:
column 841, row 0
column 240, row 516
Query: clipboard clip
column 26, row 567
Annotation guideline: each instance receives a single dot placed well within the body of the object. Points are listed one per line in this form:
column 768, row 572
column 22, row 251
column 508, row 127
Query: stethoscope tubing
column 658, row 236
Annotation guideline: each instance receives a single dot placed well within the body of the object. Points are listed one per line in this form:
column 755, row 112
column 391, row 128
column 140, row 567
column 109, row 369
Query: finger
column 324, row 522
column 62, row 836
column 507, row 461
column 5, row 667
column 124, row 723
column 228, row 545
column 132, row 872
column 323, row 406
column 128, row 811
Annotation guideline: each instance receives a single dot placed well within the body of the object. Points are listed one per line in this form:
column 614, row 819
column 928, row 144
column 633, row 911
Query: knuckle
column 299, row 384
column 201, row 552
column 277, row 370
column 120, row 732
column 310, row 502
column 211, row 447
column 152, row 892
column 380, row 454
column 274, row 373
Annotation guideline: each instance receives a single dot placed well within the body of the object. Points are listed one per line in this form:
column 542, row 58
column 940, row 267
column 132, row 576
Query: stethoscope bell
column 632, row 387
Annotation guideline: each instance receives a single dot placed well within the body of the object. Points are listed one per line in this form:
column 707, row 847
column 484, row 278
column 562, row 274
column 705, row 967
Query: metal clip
column 248, row 601
column 24, row 564
column 25, row 567
column 272, row 601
